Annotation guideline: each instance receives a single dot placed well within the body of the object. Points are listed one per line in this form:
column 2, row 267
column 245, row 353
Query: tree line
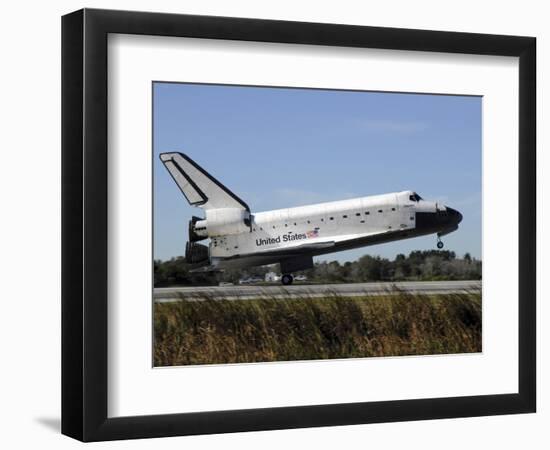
column 426, row 265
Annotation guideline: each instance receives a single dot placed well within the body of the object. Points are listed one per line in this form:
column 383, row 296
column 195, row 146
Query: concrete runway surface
column 247, row 292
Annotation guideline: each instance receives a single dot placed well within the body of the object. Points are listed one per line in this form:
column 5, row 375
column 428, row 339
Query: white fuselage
column 342, row 221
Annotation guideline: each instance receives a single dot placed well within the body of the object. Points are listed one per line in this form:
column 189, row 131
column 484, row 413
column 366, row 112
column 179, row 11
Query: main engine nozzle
column 193, row 235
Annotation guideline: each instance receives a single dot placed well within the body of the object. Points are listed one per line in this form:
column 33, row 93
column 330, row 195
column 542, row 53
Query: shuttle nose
column 454, row 216
column 443, row 221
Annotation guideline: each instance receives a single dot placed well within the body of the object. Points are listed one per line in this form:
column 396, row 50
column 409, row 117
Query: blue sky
column 278, row 148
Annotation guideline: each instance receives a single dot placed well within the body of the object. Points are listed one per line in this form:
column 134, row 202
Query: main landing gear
column 439, row 243
column 287, row 279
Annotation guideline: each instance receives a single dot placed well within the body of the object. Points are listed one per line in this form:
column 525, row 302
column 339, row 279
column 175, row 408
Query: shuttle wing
column 197, row 185
column 292, row 251
column 282, row 253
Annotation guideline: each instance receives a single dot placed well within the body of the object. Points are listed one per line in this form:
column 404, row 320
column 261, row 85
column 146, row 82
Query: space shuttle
column 239, row 238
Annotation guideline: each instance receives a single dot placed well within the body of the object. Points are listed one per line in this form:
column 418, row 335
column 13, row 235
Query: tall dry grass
column 278, row 329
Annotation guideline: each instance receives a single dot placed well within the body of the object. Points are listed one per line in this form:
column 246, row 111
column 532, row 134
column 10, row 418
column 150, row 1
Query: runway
column 240, row 292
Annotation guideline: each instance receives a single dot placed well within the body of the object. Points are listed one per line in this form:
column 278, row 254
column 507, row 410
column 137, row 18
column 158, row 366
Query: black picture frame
column 84, row 224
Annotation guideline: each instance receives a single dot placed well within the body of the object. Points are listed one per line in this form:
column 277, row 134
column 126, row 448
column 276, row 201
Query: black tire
column 287, row 280
column 440, row 245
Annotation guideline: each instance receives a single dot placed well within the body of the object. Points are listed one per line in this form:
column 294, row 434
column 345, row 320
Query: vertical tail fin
column 198, row 186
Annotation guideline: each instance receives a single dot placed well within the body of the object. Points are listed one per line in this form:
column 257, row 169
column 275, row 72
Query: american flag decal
column 312, row 234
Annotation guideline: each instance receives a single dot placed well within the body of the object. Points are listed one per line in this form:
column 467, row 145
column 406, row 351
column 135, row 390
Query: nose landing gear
column 439, row 243
column 287, row 279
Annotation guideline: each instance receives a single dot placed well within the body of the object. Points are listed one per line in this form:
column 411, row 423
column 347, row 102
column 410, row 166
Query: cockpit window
column 415, row 197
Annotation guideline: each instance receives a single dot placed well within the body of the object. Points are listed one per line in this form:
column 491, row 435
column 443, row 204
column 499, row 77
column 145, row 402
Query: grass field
column 274, row 329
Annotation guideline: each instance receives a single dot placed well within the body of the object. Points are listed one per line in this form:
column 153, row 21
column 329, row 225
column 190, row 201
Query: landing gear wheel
column 439, row 245
column 287, row 279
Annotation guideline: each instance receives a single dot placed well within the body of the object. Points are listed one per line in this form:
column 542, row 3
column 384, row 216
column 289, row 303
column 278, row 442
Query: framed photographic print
column 273, row 224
